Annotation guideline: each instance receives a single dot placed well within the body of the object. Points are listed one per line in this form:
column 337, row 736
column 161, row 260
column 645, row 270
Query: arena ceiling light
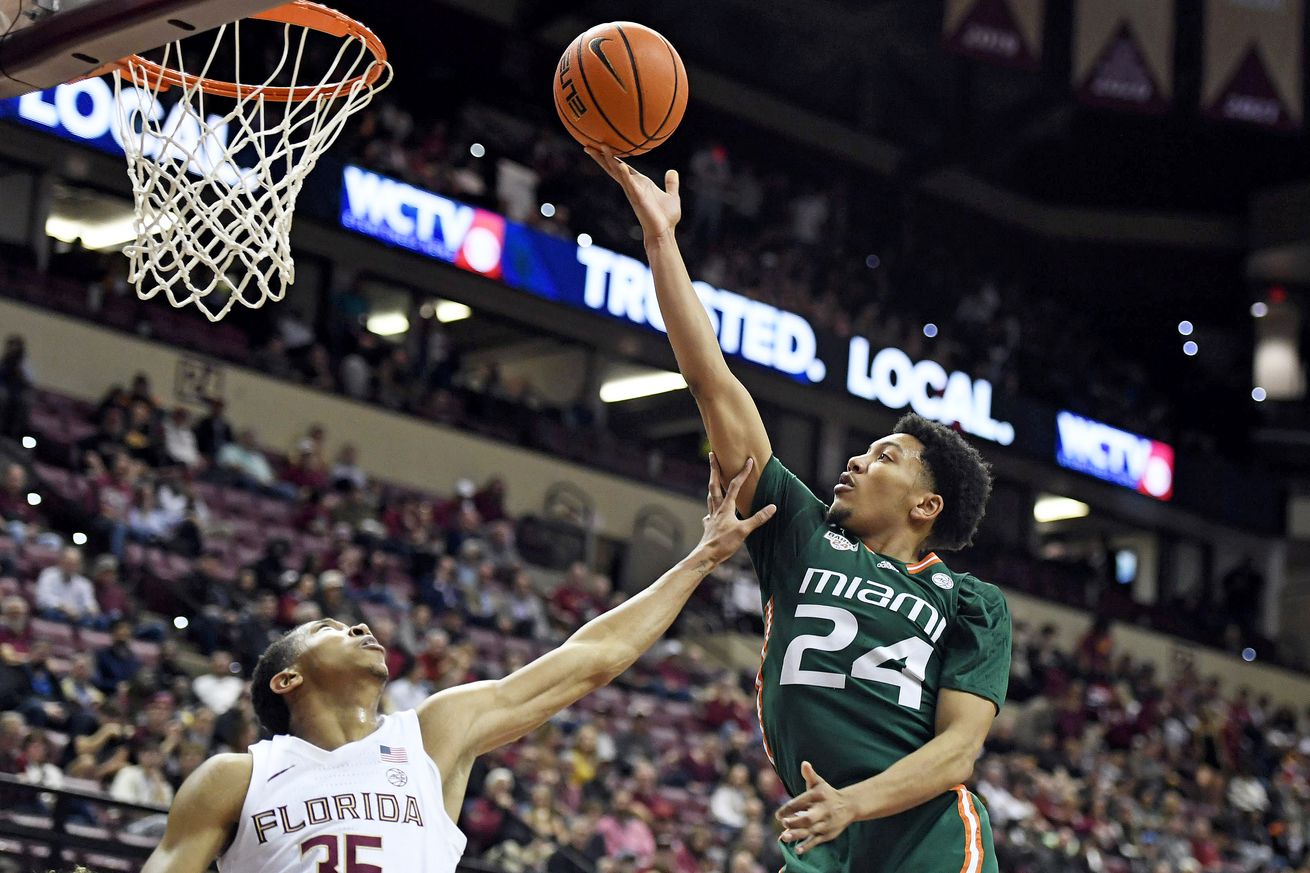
column 449, row 310
column 111, row 233
column 387, row 323
column 632, row 386
column 1050, row 508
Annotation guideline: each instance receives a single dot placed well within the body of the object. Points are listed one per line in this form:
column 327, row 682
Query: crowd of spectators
column 1098, row 763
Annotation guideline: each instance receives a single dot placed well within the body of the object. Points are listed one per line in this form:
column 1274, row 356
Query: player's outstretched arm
column 482, row 716
column 730, row 415
column 203, row 814
column 823, row 812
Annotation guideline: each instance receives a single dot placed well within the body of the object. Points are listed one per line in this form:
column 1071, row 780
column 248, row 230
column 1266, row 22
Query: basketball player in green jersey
column 883, row 669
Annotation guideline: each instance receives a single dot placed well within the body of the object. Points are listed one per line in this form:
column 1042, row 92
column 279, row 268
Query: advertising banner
column 88, row 112
column 1253, row 60
column 1123, row 54
column 1006, row 32
column 620, row 287
column 1116, row 456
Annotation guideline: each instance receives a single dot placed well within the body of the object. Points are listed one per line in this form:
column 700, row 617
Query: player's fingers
column 599, row 158
column 716, row 476
column 810, row 843
column 799, row 803
column 803, row 819
column 740, row 479
column 791, row 835
column 671, row 182
column 758, row 519
column 808, row 773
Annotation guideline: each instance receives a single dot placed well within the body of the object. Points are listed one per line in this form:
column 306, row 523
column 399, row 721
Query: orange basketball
column 621, row 84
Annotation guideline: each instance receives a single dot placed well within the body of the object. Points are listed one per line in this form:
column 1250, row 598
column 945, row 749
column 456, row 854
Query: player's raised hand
column 657, row 209
column 816, row 816
column 724, row 532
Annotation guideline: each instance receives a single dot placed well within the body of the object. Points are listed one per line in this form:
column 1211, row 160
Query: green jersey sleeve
column 977, row 656
column 775, row 546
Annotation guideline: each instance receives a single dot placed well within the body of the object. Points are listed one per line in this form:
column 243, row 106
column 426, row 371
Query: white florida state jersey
column 371, row 806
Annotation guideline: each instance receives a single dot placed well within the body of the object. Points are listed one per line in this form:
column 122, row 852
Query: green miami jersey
column 857, row 647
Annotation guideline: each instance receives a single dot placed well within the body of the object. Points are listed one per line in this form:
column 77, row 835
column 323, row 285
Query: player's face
column 333, row 649
column 880, row 488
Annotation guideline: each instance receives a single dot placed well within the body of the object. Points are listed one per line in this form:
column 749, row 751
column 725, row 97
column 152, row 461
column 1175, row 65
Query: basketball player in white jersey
column 342, row 789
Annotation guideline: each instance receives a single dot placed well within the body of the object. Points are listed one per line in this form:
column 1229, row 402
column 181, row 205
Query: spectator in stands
column 571, row 604
column 347, row 469
column 115, row 491
column 411, row 689
column 141, row 436
column 213, row 431
column 256, row 629
column 189, row 756
column 40, row 771
column 317, row 369
column 413, row 626
column 490, row 500
column 109, row 436
column 180, row 444
column 220, row 688
column 43, row 702
column 357, row 370
column 143, row 781
column 625, row 829
column 102, row 748
column 117, row 664
column 522, row 612
column 78, row 687
column 581, row 850
column 444, row 665
column 63, row 593
column 17, row 515
column 15, row 630
column 147, row 521
column 728, row 802
column 500, row 548
column 272, row 358
column 247, row 466
column 142, row 393
column 17, row 385
column 211, row 603
column 13, row 731
column 332, row 599
column 110, row 594
column 306, row 471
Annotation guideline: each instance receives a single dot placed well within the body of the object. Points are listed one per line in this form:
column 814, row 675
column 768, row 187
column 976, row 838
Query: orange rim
column 314, row 16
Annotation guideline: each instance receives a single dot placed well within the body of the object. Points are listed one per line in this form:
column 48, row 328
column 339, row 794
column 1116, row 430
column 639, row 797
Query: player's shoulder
column 982, row 599
column 217, row 788
column 226, row 770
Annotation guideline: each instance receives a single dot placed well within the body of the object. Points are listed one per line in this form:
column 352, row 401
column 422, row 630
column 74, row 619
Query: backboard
column 47, row 42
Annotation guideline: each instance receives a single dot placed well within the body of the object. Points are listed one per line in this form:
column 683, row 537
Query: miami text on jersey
column 875, row 594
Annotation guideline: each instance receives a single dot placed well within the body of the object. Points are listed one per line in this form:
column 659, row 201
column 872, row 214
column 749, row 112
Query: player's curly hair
column 271, row 709
column 958, row 473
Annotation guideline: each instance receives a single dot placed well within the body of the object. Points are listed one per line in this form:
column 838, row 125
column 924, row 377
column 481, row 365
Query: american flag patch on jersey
column 394, row 754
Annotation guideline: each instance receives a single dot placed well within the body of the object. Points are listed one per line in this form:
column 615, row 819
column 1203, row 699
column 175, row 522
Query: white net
column 215, row 178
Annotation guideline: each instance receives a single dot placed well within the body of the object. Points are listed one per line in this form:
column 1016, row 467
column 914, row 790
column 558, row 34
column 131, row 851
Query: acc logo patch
column 941, row 580
column 397, row 777
column 839, row 542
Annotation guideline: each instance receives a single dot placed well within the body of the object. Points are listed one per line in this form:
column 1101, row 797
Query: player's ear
column 286, row 681
column 928, row 508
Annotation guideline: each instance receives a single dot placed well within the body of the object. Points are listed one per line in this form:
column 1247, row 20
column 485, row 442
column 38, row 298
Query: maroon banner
column 1007, row 32
column 1124, row 54
column 1254, row 63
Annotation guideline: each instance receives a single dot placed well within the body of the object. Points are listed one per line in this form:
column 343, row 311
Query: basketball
column 623, row 85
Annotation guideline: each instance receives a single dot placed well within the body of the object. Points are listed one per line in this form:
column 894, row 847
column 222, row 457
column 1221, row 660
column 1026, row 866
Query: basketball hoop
column 215, row 187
